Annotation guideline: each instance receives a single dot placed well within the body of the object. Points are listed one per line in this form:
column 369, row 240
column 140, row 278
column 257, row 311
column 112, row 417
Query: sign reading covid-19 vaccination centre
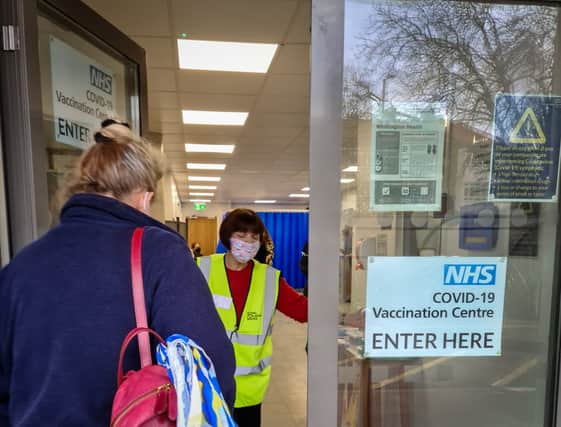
column 434, row 306
column 83, row 94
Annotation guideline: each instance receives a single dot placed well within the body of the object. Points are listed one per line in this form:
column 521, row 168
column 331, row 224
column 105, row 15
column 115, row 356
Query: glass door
column 4, row 234
column 83, row 81
column 70, row 70
column 449, row 295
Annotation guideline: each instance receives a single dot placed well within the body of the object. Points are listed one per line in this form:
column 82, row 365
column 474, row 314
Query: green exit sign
column 200, row 206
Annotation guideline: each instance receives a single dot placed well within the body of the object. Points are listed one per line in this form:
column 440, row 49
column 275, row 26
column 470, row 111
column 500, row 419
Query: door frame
column 24, row 150
column 327, row 52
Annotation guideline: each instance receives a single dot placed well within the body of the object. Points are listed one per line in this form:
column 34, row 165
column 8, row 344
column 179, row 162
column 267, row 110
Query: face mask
column 243, row 251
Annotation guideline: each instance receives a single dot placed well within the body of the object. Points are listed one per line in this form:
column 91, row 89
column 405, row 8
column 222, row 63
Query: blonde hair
column 118, row 164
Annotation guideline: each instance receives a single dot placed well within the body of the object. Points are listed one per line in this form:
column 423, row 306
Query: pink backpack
column 146, row 397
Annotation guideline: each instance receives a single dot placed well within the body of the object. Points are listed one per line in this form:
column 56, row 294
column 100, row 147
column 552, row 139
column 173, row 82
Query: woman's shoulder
column 163, row 240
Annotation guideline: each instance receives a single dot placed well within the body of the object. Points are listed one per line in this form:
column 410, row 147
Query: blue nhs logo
column 470, row 274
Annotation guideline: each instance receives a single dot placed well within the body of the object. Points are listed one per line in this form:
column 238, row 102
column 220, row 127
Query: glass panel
column 81, row 85
column 450, row 149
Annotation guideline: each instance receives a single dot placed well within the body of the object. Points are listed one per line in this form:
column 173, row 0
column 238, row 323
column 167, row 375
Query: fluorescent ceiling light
column 347, row 180
column 202, row 194
column 202, row 187
column 305, row 189
column 351, row 169
column 225, row 56
column 204, row 178
column 265, row 201
column 207, row 166
column 303, row 196
column 209, row 148
column 216, row 118
column 199, row 200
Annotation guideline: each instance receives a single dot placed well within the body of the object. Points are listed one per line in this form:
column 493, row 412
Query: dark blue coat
column 66, row 305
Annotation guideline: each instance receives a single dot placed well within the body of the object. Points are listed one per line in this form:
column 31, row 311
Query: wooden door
column 204, row 231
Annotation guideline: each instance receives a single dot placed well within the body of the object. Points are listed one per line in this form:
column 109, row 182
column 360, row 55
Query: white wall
column 212, row 210
column 172, row 203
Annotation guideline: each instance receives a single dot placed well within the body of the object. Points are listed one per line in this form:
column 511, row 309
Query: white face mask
column 243, row 251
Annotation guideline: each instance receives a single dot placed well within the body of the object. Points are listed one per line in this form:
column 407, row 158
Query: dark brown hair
column 118, row 164
column 241, row 220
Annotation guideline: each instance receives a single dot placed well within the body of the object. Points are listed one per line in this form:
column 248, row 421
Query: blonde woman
column 66, row 300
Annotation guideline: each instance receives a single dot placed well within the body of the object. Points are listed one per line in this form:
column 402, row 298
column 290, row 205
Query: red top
column 289, row 302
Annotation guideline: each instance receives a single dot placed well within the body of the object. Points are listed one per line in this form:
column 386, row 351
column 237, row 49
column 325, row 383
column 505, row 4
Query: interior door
column 204, row 232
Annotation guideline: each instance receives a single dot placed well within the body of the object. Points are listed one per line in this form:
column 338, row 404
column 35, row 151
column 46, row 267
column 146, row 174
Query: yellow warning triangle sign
column 515, row 137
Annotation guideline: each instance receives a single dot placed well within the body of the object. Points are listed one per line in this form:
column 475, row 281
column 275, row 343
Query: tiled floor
column 285, row 402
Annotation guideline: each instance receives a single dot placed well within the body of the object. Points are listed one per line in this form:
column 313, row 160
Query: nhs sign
column 470, row 274
column 101, row 80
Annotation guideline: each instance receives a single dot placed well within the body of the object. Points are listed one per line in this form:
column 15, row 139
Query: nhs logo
column 470, row 274
column 101, row 80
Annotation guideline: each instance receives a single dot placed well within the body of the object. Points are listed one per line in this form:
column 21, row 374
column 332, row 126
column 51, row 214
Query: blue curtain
column 289, row 231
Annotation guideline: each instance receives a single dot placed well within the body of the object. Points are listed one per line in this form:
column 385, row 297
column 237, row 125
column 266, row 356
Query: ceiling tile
column 292, row 59
column 283, row 104
column 197, row 138
column 162, row 115
column 227, row 20
column 299, row 31
column 285, row 84
column 161, row 80
column 135, row 17
column 160, row 52
column 163, row 100
column 165, row 128
column 261, row 132
column 230, row 131
column 216, row 102
column 220, row 82
column 280, row 119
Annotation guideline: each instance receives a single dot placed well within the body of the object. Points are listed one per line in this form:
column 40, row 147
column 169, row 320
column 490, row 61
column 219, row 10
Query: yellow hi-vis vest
column 251, row 339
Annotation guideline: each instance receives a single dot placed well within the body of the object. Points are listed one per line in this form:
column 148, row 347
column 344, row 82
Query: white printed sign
column 83, row 94
column 434, row 306
column 406, row 158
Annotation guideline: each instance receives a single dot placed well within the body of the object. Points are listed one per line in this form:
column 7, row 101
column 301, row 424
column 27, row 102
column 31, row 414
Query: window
column 450, row 149
column 83, row 81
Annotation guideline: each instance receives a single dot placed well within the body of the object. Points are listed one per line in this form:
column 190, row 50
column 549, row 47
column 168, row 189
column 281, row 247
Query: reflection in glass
column 460, row 56
column 81, row 85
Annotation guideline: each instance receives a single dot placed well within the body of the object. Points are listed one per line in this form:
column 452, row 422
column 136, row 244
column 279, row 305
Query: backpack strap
column 126, row 342
column 138, row 297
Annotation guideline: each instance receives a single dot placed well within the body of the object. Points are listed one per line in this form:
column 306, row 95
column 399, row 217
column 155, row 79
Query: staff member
column 246, row 294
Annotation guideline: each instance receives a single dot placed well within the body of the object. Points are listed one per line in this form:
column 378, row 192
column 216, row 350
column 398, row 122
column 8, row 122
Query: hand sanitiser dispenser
column 479, row 226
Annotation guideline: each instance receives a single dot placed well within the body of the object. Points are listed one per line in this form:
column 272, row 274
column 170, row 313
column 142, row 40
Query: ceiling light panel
column 305, row 189
column 347, row 180
column 202, row 194
column 351, row 169
column 301, row 196
column 202, row 187
column 204, row 178
column 209, row 148
column 265, row 201
column 225, row 56
column 207, row 166
column 214, row 118
column 199, row 200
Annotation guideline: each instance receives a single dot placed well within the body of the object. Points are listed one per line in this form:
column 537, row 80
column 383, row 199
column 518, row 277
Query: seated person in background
column 196, row 248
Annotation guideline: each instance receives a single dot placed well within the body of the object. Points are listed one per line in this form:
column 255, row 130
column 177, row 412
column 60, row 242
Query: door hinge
column 10, row 38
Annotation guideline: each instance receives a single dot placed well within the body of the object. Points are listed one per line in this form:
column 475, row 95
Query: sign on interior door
column 82, row 94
